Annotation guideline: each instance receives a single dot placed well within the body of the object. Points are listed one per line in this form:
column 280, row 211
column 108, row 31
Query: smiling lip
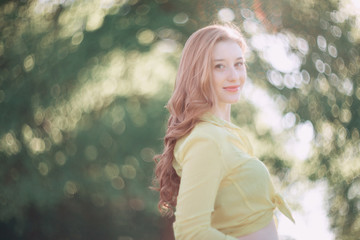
column 232, row 88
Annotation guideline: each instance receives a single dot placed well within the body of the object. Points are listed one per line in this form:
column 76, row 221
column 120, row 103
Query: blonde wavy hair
column 193, row 96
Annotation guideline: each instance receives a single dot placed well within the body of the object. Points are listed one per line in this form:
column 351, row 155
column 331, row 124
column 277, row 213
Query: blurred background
column 83, row 85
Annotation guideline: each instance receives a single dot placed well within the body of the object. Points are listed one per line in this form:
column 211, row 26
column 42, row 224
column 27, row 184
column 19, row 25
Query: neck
column 222, row 112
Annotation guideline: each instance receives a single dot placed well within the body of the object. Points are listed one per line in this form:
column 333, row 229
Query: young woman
column 208, row 172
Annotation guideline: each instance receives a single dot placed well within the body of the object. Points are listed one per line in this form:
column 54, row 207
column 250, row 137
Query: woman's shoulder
column 203, row 137
column 204, row 132
column 207, row 130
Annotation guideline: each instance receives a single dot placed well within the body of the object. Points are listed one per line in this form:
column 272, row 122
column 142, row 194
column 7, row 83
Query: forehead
column 227, row 49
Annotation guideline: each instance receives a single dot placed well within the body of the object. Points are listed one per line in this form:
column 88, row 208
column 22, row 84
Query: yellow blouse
column 225, row 192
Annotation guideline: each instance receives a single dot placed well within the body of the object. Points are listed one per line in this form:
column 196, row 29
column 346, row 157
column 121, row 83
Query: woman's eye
column 239, row 64
column 219, row 66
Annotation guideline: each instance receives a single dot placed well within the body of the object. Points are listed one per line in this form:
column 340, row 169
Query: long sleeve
column 202, row 169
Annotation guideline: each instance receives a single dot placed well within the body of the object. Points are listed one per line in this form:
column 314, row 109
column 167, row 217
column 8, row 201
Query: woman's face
column 228, row 71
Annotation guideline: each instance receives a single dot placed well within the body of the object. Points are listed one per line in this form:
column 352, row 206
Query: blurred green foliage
column 83, row 86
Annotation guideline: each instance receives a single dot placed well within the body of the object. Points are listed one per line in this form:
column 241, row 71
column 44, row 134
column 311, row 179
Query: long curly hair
column 193, row 96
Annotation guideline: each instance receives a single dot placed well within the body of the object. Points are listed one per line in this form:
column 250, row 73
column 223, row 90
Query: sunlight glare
column 226, row 15
column 312, row 222
column 275, row 49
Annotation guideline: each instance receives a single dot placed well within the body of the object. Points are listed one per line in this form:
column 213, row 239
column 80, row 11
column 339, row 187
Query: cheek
column 217, row 78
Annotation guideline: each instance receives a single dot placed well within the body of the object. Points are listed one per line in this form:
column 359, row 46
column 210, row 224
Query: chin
column 233, row 100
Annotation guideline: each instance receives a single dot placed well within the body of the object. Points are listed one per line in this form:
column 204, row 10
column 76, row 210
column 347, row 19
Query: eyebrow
column 220, row 59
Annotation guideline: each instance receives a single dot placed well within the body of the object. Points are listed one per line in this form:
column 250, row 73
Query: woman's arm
column 202, row 171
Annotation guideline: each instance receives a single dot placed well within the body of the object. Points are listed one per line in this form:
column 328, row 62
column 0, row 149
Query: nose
column 233, row 74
